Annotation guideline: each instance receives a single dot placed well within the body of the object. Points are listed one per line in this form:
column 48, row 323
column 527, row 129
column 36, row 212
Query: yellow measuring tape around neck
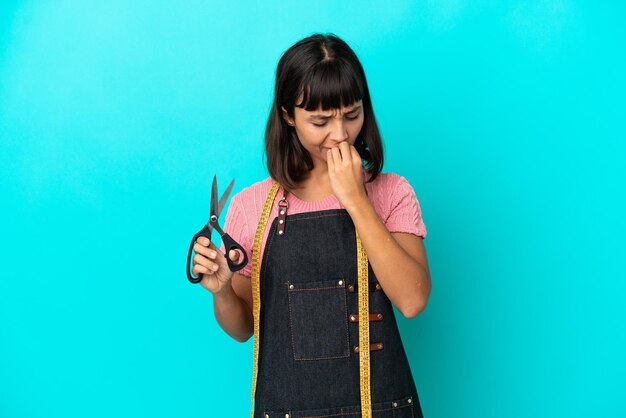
column 363, row 297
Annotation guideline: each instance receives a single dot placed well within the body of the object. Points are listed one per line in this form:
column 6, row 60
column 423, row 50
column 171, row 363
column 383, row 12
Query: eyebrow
column 328, row 117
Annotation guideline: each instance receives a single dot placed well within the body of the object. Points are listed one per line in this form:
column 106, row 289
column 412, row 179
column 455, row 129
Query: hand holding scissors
column 229, row 243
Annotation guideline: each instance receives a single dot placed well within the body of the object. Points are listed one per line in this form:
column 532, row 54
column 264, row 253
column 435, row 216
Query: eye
column 319, row 125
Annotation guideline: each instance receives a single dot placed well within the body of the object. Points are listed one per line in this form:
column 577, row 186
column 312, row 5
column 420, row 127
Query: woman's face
column 320, row 130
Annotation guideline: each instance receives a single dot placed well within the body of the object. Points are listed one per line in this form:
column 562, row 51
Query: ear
column 286, row 117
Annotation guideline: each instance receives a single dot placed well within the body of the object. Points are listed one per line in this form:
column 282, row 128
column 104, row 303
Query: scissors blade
column 214, row 204
column 224, row 197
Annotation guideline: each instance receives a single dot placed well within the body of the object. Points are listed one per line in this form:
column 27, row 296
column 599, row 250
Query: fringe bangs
column 330, row 84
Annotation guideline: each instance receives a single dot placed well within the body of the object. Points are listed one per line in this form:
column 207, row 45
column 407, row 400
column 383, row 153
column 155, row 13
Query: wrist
column 356, row 204
column 225, row 292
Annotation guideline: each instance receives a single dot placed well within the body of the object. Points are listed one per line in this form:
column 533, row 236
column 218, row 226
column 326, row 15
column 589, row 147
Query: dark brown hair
column 325, row 71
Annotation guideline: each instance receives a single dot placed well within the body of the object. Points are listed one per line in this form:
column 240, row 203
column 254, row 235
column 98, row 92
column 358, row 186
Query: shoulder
column 250, row 200
column 395, row 201
column 388, row 185
column 245, row 209
column 255, row 192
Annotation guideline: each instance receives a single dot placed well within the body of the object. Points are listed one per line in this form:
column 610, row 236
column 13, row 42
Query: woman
column 328, row 207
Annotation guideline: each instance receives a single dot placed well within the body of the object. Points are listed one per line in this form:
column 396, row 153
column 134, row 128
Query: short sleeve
column 236, row 226
column 405, row 214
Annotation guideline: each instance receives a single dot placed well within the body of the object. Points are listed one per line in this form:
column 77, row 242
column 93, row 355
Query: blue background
column 507, row 117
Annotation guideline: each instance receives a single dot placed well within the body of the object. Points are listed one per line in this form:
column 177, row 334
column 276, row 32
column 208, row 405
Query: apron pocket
column 318, row 317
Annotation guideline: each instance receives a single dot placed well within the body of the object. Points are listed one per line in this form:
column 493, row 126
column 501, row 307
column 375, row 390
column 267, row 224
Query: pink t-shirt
column 391, row 195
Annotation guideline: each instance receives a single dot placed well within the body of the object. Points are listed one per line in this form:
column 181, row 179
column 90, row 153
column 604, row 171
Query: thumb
column 233, row 255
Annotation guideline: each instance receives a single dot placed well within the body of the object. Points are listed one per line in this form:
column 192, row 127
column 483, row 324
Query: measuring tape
column 364, row 330
column 256, row 283
column 363, row 297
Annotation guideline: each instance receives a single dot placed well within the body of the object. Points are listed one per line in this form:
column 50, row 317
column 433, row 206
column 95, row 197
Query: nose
column 338, row 132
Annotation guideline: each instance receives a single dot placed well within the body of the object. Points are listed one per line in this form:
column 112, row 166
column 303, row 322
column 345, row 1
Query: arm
column 398, row 259
column 232, row 307
column 232, row 304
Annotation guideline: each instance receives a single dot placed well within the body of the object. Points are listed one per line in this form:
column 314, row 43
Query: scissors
column 229, row 243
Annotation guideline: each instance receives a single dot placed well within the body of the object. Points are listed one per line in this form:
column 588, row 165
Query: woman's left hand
column 346, row 176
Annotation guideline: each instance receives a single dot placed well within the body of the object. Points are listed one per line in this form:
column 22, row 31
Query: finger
column 355, row 154
column 205, row 262
column 203, row 241
column 357, row 162
column 201, row 249
column 197, row 270
column 329, row 160
column 336, row 155
column 344, row 149
column 206, row 242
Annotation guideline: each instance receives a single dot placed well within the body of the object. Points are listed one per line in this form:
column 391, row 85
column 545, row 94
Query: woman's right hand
column 211, row 264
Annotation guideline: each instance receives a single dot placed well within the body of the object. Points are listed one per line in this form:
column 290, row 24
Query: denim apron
column 308, row 365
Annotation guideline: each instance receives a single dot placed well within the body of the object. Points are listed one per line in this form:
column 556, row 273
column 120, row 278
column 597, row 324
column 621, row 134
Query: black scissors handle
column 231, row 244
column 205, row 232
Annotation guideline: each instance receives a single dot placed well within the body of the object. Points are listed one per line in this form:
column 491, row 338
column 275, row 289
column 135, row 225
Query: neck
column 315, row 186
